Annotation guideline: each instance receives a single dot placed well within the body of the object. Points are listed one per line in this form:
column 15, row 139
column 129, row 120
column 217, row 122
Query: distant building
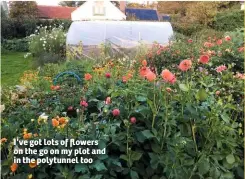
column 55, row 12
column 98, row 10
column 242, row 5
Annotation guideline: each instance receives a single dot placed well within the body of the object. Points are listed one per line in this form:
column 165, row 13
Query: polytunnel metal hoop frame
column 70, row 73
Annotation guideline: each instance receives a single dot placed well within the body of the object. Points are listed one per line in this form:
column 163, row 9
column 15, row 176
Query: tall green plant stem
column 166, row 120
column 193, row 135
column 128, row 157
column 81, row 117
column 155, row 108
column 154, row 103
column 127, row 138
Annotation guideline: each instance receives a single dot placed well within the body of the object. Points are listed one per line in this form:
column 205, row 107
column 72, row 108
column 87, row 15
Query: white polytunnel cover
column 121, row 34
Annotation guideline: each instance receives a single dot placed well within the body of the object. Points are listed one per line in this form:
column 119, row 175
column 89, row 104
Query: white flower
column 43, row 116
column 32, row 120
column 2, row 108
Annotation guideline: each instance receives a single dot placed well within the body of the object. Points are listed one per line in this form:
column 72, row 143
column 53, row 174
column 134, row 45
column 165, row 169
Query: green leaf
column 99, row 166
column 102, row 156
column 150, row 103
column 143, row 135
column 203, row 166
column 225, row 117
column 183, row 87
column 155, row 177
column 140, row 137
column 117, row 163
column 214, row 172
column 81, row 168
column 189, row 162
column 155, row 147
column 135, row 155
column 100, row 105
column 201, row 95
column 124, row 157
column 84, row 177
column 134, row 175
column 228, row 175
column 230, row 159
column 147, row 134
column 154, row 160
column 141, row 98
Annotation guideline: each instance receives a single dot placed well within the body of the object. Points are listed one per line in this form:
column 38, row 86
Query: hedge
column 25, row 27
column 228, row 21
column 17, row 45
column 187, row 29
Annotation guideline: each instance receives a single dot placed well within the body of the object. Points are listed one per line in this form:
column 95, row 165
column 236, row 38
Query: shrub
column 46, row 57
column 186, row 28
column 21, row 28
column 48, row 45
column 203, row 34
column 227, row 52
column 17, row 45
column 228, row 21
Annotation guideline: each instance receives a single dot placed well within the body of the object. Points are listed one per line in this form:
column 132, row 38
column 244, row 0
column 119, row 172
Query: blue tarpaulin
column 166, row 18
column 142, row 14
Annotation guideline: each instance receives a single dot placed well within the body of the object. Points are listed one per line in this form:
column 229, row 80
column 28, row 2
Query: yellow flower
column 33, row 164
column 29, row 176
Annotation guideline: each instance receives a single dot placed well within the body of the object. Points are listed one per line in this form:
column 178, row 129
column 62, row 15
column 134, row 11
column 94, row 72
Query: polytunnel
column 119, row 34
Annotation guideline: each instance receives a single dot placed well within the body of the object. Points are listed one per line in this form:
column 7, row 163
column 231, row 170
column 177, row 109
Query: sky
column 50, row 2
column 56, row 2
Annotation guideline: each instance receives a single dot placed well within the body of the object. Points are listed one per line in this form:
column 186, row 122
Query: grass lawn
column 13, row 64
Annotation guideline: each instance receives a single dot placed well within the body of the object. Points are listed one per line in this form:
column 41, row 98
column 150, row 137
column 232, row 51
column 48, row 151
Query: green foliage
column 191, row 128
column 71, row 3
column 47, row 57
column 17, row 45
column 228, row 21
column 20, row 9
column 187, row 29
column 226, row 53
column 23, row 27
column 48, row 45
column 202, row 12
column 205, row 33
column 3, row 13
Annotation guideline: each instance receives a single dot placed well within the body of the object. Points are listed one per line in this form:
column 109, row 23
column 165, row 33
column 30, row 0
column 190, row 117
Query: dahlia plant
column 183, row 120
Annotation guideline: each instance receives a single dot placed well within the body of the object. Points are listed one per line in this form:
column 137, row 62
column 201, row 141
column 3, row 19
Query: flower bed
column 179, row 120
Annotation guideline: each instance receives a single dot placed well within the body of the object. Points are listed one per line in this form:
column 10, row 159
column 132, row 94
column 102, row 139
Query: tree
column 173, row 7
column 136, row 5
column 3, row 13
column 202, row 12
column 71, row 3
column 116, row 3
column 22, row 9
